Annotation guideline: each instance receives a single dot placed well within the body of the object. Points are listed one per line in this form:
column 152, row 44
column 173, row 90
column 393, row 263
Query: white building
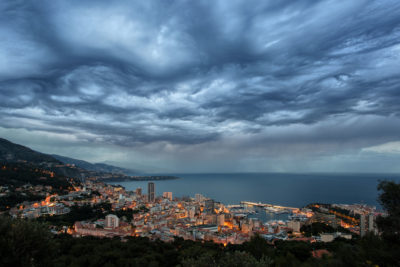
column 199, row 198
column 371, row 223
column 112, row 221
column 192, row 212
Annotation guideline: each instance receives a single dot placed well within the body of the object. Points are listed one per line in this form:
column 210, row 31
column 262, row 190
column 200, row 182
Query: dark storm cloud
column 186, row 72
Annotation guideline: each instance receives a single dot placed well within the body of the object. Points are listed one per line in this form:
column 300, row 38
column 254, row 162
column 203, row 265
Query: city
column 42, row 207
column 212, row 133
column 198, row 218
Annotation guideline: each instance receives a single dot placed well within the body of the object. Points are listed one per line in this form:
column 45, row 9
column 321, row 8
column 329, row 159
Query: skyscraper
column 371, row 220
column 151, row 192
column 362, row 225
column 209, row 206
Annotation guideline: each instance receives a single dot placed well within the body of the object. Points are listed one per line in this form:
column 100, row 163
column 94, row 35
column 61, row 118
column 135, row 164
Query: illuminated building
column 294, row 225
column 138, row 191
column 362, row 225
column 199, row 198
column 151, row 192
column 192, row 212
column 221, row 220
column 209, row 206
column 167, row 195
column 112, row 221
column 371, row 221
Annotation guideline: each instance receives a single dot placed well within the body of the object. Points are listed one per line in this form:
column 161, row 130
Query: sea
column 292, row 190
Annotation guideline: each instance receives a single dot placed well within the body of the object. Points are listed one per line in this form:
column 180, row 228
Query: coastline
column 292, row 190
column 140, row 178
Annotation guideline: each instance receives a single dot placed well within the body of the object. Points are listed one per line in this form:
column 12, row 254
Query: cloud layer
column 234, row 79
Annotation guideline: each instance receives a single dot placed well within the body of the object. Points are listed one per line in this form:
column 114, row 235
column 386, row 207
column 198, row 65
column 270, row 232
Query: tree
column 316, row 228
column 243, row 259
column 24, row 243
column 389, row 198
column 203, row 260
column 258, row 247
column 301, row 250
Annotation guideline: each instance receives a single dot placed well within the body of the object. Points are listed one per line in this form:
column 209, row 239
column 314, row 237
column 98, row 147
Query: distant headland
column 139, row 178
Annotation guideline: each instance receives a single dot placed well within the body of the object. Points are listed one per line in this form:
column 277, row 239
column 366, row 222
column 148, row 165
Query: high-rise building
column 371, row 221
column 209, row 206
column 112, row 221
column 199, row 197
column 151, row 192
column 139, row 191
column 167, row 195
column 192, row 212
column 362, row 225
column 221, row 219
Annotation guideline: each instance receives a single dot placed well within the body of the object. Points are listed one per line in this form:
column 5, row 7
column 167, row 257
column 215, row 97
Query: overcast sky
column 205, row 86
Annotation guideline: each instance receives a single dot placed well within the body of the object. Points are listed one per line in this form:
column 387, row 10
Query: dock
column 266, row 205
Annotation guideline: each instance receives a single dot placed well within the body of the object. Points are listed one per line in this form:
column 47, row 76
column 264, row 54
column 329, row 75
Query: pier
column 265, row 205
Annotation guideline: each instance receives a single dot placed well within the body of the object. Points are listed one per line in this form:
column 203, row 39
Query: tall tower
column 362, row 225
column 209, row 206
column 371, row 221
column 150, row 192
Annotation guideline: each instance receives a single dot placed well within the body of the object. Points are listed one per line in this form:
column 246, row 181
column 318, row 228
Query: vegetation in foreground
column 27, row 243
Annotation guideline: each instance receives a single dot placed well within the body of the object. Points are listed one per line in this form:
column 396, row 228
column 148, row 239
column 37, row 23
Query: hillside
column 15, row 153
column 10, row 152
column 18, row 179
column 96, row 167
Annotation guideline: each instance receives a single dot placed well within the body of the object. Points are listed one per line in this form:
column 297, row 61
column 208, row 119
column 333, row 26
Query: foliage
column 128, row 213
column 316, row 228
column 390, row 200
column 300, row 250
column 78, row 213
column 234, row 259
column 14, row 198
column 24, row 243
column 14, row 175
column 258, row 247
column 34, row 240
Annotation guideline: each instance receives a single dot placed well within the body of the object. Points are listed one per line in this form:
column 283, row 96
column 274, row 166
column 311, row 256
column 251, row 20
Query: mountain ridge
column 97, row 167
column 12, row 152
column 15, row 153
